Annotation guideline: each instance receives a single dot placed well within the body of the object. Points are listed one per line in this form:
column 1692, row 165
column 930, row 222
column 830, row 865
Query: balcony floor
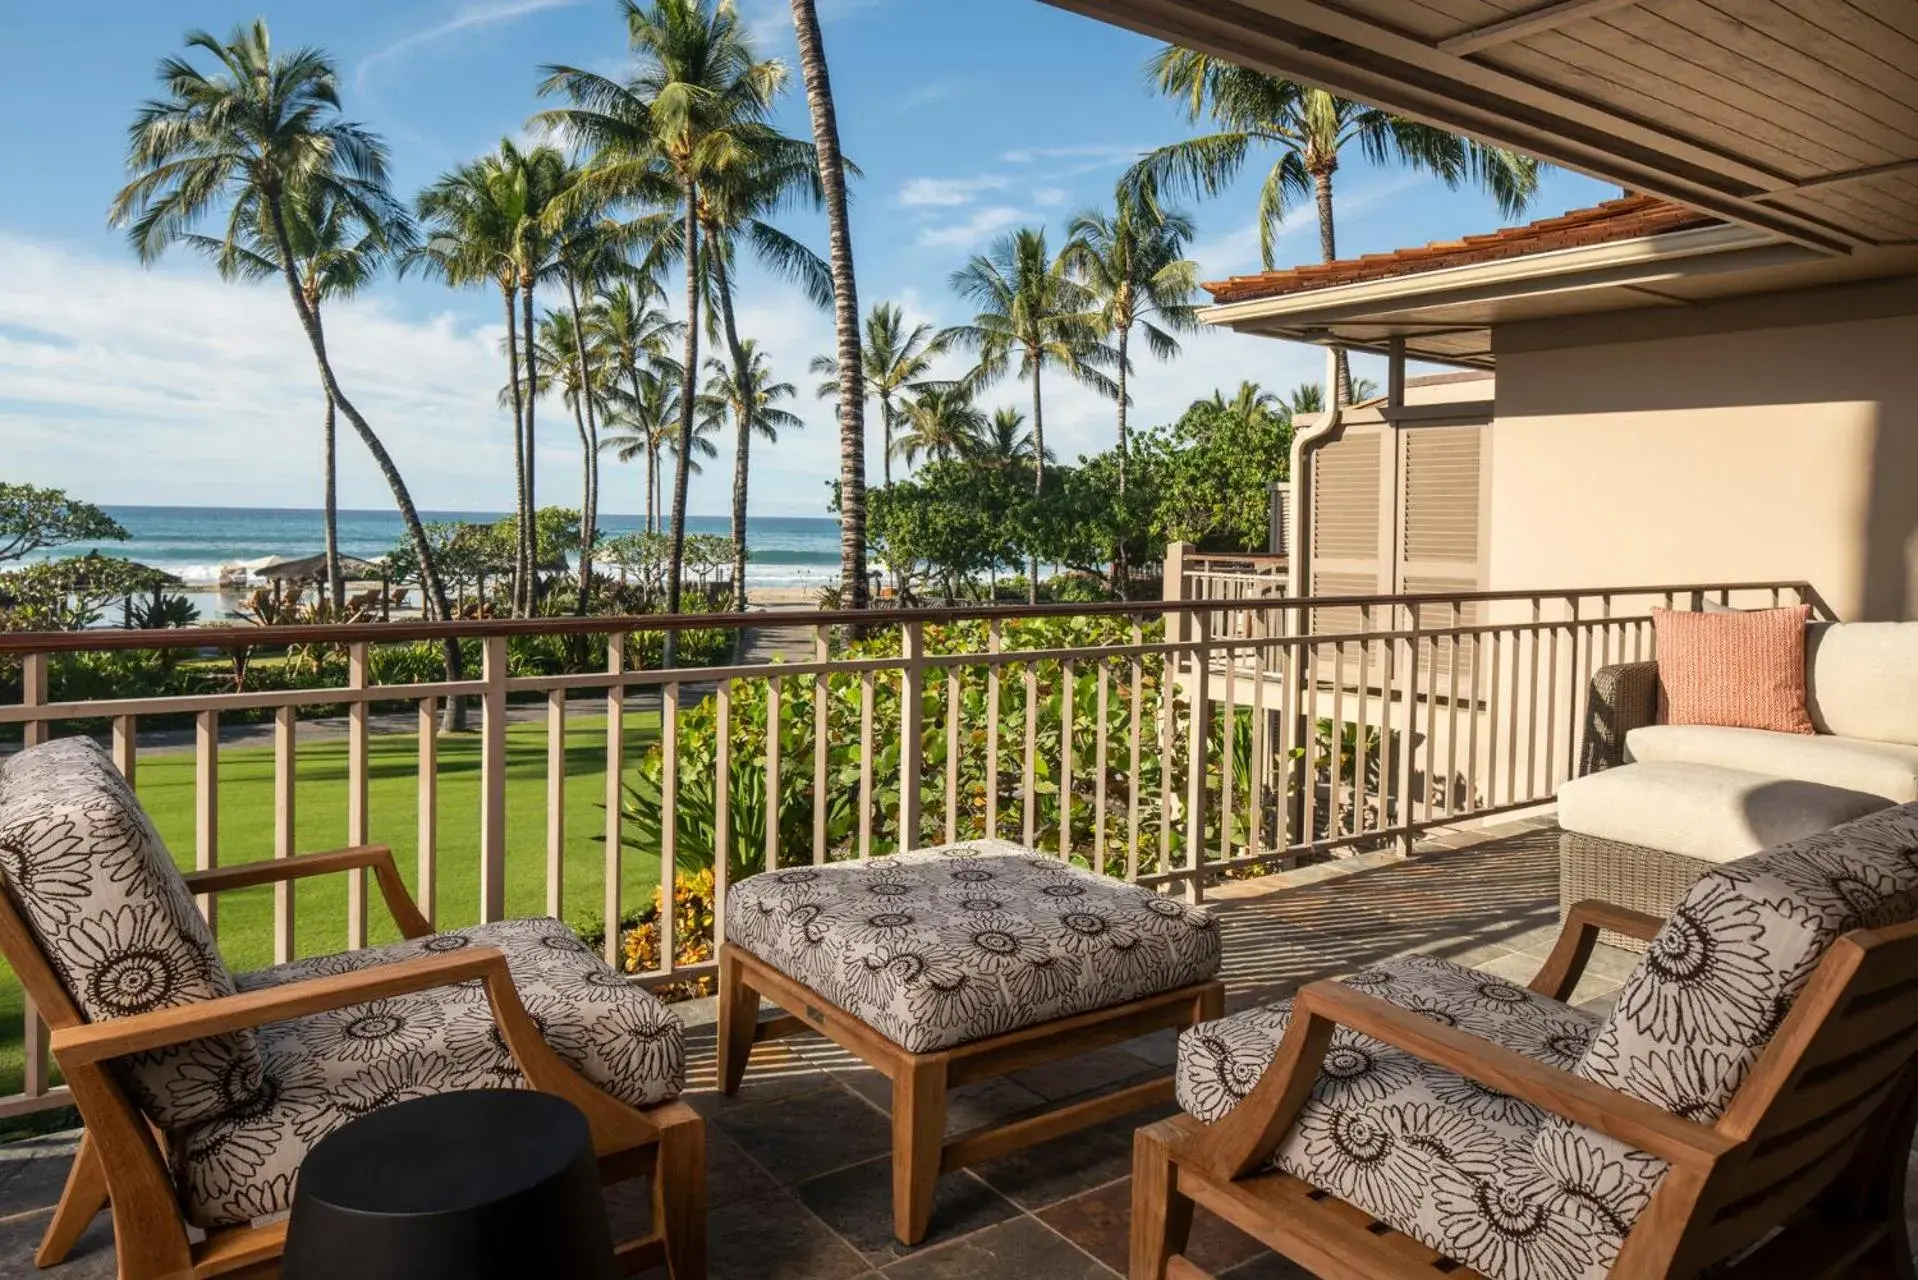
column 799, row 1174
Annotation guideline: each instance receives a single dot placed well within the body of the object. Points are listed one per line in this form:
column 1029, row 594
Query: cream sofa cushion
column 1704, row 811
column 1863, row 680
column 1887, row 769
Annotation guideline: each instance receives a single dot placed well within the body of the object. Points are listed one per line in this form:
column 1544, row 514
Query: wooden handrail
column 22, row 642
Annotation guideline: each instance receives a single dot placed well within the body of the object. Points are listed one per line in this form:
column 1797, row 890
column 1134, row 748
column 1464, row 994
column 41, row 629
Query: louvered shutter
column 1347, row 532
column 1442, row 483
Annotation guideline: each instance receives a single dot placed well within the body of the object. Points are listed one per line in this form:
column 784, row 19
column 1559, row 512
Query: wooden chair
column 1815, row 1141
column 168, row 1054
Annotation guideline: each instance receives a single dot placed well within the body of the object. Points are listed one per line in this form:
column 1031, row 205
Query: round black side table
column 485, row 1184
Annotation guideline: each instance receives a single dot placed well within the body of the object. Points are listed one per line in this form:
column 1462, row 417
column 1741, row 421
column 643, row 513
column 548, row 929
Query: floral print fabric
column 1443, row 1159
column 99, row 891
column 953, row 944
column 326, row 1069
column 1721, row 975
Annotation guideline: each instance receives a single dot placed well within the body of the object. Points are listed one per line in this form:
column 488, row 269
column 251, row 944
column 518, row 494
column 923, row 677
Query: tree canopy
column 33, row 519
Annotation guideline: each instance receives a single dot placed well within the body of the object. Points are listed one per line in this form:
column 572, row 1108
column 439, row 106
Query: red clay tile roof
column 1625, row 219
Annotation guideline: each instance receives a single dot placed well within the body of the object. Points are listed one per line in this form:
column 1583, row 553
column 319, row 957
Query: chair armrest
column 1622, row 697
column 1560, row 973
column 406, row 914
column 1682, row 1143
column 119, row 1037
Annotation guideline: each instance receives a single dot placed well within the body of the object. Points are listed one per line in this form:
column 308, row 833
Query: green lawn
column 246, row 835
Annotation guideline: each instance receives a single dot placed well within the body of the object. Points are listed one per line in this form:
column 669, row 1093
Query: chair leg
column 1161, row 1217
column 738, row 1021
column 84, row 1197
column 679, row 1194
column 918, row 1133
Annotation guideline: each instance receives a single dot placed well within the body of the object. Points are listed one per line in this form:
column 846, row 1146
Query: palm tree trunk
column 529, row 523
column 589, row 441
column 633, row 376
column 1120, row 573
column 852, row 396
column 1329, row 251
column 433, row 588
column 511, row 294
column 1038, row 478
column 688, row 392
column 742, row 416
column 335, row 586
column 885, row 424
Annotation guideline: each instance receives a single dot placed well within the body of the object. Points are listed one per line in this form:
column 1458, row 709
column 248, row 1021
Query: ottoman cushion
column 944, row 946
column 1704, row 811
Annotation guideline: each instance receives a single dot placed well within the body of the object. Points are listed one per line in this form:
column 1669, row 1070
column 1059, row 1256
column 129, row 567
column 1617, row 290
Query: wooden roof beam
column 1839, row 179
column 1519, row 26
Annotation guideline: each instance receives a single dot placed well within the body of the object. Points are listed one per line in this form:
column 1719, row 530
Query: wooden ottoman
column 959, row 963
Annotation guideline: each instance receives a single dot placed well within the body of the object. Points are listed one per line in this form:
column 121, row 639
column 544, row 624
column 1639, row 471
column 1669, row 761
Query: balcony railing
column 1170, row 743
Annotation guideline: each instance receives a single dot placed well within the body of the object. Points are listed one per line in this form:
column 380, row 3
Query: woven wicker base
column 1630, row 875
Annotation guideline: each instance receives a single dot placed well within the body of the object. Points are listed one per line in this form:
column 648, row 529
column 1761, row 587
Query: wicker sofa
column 1680, row 799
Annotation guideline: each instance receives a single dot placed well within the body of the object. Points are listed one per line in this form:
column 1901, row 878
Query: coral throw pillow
column 1742, row 670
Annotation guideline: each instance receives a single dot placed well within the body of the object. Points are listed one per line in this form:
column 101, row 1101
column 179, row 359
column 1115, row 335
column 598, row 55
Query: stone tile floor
column 798, row 1164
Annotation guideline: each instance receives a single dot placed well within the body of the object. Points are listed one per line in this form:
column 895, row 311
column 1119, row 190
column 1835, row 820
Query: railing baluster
column 1408, row 735
column 955, row 748
column 1451, row 716
column 556, row 803
column 775, row 758
column 1135, row 710
column 285, row 841
column 1430, row 790
column 865, row 765
column 669, row 821
column 126, row 748
column 426, row 875
column 1228, row 745
column 1197, row 741
column 1511, row 719
column 1102, row 710
column 1361, row 740
column 722, row 804
column 1471, row 729
column 358, row 676
column 1335, row 813
column 912, row 733
column 206, row 806
column 821, row 731
column 1491, row 726
column 492, row 851
column 1067, row 679
column 611, row 889
column 1261, row 770
column 995, row 642
column 1551, row 706
column 1028, row 786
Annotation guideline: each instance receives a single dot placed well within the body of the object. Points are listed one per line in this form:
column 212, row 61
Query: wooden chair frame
column 920, row 1149
column 1816, row 1141
column 121, row 1159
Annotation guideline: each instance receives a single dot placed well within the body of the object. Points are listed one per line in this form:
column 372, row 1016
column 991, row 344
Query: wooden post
column 492, row 851
column 126, row 747
column 912, row 695
column 1172, row 587
column 33, row 693
column 357, row 677
column 1196, row 745
column 285, row 841
column 426, row 886
column 206, row 805
column 615, row 766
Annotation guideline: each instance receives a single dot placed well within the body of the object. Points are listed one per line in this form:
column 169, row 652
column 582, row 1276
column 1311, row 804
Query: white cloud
column 921, row 193
column 1076, row 160
column 939, row 90
column 471, row 17
column 1051, row 197
column 973, row 230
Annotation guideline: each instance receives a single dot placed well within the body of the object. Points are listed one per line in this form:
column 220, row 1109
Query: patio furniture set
column 1747, row 1105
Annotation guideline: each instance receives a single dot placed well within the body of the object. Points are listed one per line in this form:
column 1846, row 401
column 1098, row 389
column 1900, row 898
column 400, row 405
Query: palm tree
column 1309, row 128
column 485, row 222
column 632, row 336
column 1034, row 313
column 941, row 423
column 893, row 361
column 643, row 426
column 335, row 252
column 567, row 360
column 259, row 132
column 698, row 99
column 746, row 393
column 1132, row 263
column 1309, row 397
column 1006, row 442
column 852, row 400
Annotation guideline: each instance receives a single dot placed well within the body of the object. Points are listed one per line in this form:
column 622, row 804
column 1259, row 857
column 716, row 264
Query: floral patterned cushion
column 948, row 945
column 1724, row 970
column 324, row 1070
column 1441, row 1158
column 102, row 897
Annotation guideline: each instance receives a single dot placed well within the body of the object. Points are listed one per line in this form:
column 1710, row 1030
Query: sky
column 165, row 385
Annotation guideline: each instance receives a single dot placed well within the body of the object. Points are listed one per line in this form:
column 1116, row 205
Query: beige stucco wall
column 1779, row 453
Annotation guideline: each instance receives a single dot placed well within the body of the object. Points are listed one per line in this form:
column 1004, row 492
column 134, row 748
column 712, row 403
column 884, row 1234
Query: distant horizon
column 425, row 512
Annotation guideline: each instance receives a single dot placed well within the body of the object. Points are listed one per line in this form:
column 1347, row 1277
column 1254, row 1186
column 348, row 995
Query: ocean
column 192, row 542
